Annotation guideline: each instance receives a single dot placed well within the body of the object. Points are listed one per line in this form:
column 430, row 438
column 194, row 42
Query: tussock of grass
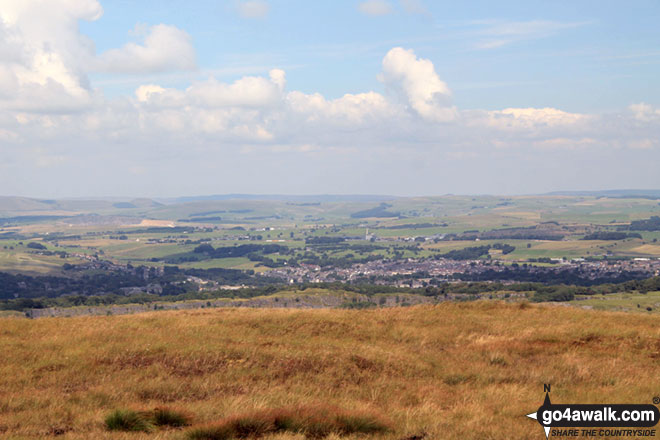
column 314, row 422
column 127, row 420
column 146, row 421
column 219, row 432
column 457, row 379
column 162, row 416
column 361, row 424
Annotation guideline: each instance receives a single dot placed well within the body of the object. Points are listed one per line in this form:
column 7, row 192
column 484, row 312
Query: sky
column 162, row 98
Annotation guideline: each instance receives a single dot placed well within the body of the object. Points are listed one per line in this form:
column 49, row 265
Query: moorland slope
column 452, row 371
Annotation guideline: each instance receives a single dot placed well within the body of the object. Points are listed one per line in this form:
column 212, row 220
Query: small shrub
column 146, row 421
column 127, row 420
column 314, row 422
column 169, row 417
column 316, row 428
column 219, row 432
column 420, row 436
column 252, row 426
column 284, row 421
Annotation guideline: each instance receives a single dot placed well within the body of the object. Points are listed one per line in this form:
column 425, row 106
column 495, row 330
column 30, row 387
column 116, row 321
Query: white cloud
column 278, row 77
column 253, row 8
column 247, row 92
column 43, row 55
column 375, row 7
column 565, row 143
column 643, row 144
column 40, row 90
column 528, row 118
column 44, row 59
column 165, row 48
column 421, row 86
column 259, row 110
column 493, row 34
column 8, row 136
column 348, row 111
column 414, row 7
column 49, row 109
column 8, row 82
column 491, row 44
column 644, row 112
column 144, row 92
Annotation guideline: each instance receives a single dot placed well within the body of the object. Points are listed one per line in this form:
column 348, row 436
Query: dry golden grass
column 454, row 371
column 648, row 249
column 159, row 223
column 526, row 215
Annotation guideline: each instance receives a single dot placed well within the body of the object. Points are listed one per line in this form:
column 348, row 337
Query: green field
column 625, row 302
column 415, row 230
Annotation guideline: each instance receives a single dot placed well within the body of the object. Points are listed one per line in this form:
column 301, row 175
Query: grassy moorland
column 452, row 371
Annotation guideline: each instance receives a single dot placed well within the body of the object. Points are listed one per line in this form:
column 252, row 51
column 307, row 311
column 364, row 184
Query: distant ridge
column 614, row 193
column 283, row 197
column 13, row 206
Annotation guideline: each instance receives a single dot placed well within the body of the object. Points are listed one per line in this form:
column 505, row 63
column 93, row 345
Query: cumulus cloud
column 375, row 7
column 416, row 79
column 643, row 144
column 46, row 100
column 417, row 110
column 253, row 8
column 351, row 110
column 259, row 109
column 528, row 118
column 644, row 112
column 247, row 92
column 165, row 48
column 43, row 55
column 146, row 91
column 44, row 59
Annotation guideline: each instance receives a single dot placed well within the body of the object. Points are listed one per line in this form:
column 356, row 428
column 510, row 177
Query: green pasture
column 325, row 219
column 627, row 302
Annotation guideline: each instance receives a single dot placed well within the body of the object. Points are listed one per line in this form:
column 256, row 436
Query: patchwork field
column 627, row 302
column 452, row 371
column 19, row 261
column 151, row 233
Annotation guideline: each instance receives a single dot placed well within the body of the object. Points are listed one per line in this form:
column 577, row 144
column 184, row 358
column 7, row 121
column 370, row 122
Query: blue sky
column 327, row 97
column 580, row 56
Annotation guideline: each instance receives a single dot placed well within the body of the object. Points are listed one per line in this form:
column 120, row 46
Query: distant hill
column 137, row 203
column 25, row 204
column 14, row 206
column 284, row 197
column 614, row 193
